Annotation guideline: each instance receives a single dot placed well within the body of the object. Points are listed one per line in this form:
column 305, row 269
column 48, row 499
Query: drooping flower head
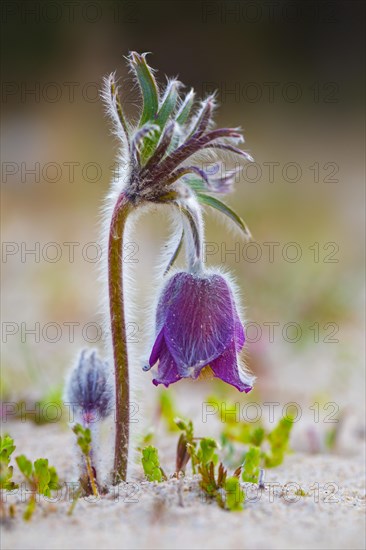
column 89, row 389
column 198, row 330
column 171, row 156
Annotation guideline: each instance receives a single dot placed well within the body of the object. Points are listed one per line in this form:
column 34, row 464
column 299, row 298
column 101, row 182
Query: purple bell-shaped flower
column 198, row 327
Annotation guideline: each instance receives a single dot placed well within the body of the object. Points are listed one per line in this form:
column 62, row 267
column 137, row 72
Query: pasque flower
column 169, row 156
column 89, row 389
column 198, row 330
column 89, row 393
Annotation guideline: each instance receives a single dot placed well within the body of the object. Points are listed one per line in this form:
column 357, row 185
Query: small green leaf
column 42, row 476
column 7, row 447
column 151, row 464
column 206, row 452
column 279, row 439
column 24, row 465
column 251, row 465
column 6, row 473
column 186, row 426
column 149, row 88
column 234, row 494
column 54, row 480
column 257, row 436
column 83, row 438
column 224, row 209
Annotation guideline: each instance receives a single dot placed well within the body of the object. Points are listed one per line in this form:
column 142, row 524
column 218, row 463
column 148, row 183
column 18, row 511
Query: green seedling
column 278, row 439
column 84, row 441
column 7, row 448
column 204, row 453
column 226, row 491
column 188, row 448
column 211, row 483
column 151, row 464
column 234, row 494
column 41, row 478
column 251, row 466
column 255, row 435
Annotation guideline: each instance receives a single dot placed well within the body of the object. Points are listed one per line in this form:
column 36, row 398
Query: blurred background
column 291, row 75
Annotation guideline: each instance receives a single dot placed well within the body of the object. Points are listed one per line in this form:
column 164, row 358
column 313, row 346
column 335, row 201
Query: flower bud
column 89, row 389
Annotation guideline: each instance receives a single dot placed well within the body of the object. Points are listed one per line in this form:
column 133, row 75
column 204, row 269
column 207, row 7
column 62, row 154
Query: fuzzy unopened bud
column 89, row 389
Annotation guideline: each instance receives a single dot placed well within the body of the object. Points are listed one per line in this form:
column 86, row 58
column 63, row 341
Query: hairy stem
column 119, row 337
column 192, row 219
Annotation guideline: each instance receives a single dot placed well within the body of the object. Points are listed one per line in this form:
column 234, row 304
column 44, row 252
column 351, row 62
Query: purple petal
column 167, row 369
column 204, row 117
column 226, row 368
column 231, row 149
column 188, row 148
column 157, row 348
column 180, row 172
column 199, row 320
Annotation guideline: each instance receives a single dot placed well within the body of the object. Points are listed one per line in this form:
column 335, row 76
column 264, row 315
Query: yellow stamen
column 206, row 373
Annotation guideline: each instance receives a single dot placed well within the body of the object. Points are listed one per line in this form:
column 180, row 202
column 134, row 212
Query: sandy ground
column 144, row 515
